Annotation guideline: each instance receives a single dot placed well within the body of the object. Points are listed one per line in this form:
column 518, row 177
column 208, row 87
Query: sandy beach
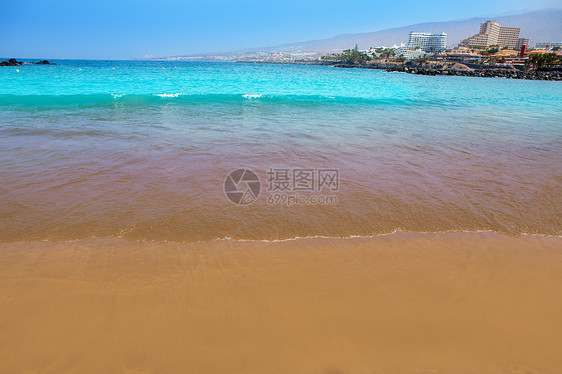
column 401, row 303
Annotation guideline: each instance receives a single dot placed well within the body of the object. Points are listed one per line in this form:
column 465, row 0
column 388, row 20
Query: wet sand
column 401, row 303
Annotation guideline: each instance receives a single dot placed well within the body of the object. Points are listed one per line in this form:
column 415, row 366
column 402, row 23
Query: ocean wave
column 123, row 99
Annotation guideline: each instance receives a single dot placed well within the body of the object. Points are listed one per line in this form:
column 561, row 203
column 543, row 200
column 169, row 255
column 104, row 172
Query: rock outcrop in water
column 11, row 62
column 14, row 62
column 44, row 62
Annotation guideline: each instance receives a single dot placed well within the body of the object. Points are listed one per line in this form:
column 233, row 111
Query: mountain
column 539, row 26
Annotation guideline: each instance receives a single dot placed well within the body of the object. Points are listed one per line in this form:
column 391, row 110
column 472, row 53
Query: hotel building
column 427, row 42
column 492, row 33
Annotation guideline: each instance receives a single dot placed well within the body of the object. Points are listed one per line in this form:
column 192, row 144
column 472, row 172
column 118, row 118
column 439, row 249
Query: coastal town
column 493, row 42
column 495, row 50
column 494, row 46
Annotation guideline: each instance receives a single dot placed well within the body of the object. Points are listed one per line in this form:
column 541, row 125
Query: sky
column 129, row 29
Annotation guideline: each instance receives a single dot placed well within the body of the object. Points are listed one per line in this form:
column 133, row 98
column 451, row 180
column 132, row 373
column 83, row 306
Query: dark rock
column 44, row 62
column 11, row 62
column 14, row 62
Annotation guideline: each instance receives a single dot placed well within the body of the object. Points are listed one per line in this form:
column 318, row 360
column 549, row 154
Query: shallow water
column 141, row 150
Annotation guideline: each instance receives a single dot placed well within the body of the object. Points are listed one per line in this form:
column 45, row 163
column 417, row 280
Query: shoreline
column 433, row 69
column 431, row 303
column 283, row 240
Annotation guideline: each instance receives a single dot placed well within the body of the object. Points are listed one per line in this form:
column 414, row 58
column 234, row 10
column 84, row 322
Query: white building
column 409, row 53
column 427, row 42
column 549, row 45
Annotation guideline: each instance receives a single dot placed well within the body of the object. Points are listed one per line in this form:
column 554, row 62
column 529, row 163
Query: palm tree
column 540, row 60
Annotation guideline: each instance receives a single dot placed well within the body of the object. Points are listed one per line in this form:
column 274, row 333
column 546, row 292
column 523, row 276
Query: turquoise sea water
column 141, row 150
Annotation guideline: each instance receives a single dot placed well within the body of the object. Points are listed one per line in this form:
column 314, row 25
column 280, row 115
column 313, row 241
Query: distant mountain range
column 539, row 26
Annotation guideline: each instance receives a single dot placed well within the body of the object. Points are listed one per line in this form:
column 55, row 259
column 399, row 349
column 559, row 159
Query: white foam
column 168, row 95
column 252, row 96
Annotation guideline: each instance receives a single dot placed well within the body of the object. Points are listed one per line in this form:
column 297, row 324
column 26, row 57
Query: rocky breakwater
column 464, row 71
column 382, row 65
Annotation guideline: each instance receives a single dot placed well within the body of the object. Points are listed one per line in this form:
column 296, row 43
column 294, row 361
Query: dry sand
column 402, row 303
